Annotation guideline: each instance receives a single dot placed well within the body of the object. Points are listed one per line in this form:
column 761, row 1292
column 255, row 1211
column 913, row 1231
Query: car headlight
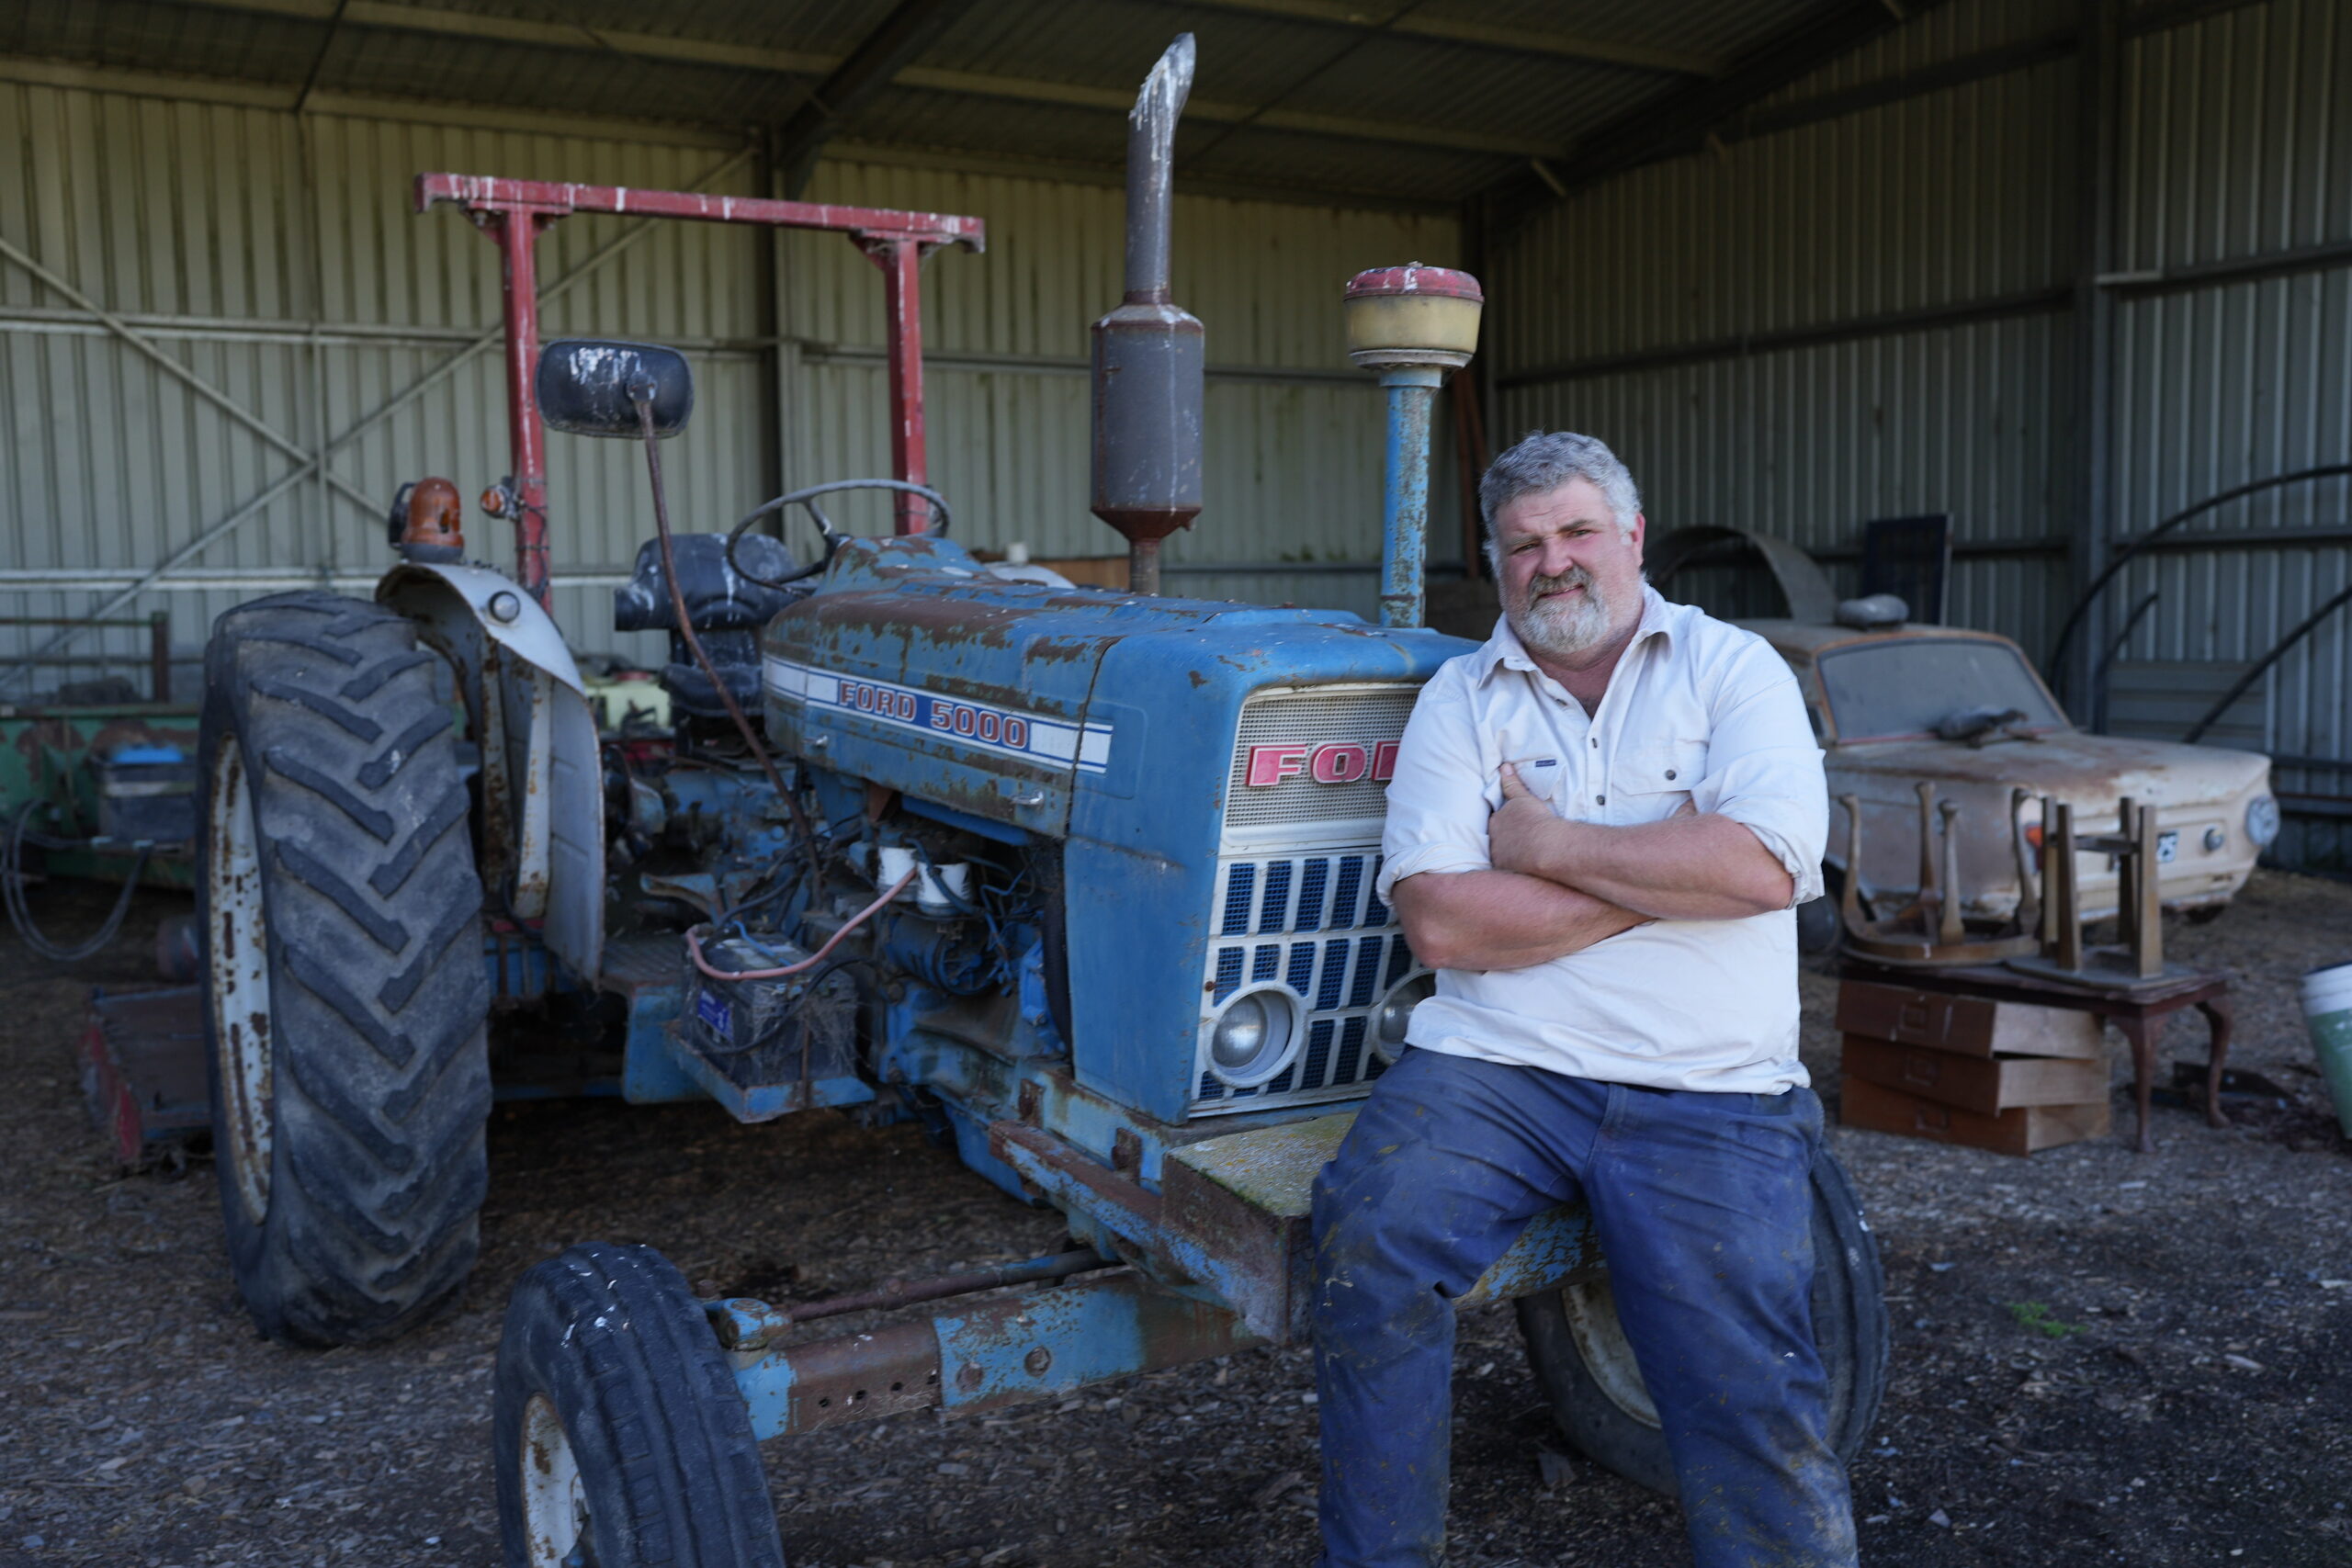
column 2262, row 820
column 1396, row 1014
column 1254, row 1036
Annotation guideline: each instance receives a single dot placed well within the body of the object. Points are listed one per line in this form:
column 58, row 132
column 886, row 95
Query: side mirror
column 590, row 387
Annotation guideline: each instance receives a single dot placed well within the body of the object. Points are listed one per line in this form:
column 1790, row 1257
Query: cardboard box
column 2021, row 1132
column 1987, row 1084
column 1970, row 1026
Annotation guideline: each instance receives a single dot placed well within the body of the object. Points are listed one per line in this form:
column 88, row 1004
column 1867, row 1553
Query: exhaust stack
column 1148, row 352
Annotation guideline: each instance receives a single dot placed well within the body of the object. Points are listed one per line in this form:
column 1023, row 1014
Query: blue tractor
column 1083, row 879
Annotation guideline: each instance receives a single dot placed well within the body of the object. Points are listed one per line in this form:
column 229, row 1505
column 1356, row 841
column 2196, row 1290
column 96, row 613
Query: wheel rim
column 237, row 959
column 555, row 1514
column 1607, row 1356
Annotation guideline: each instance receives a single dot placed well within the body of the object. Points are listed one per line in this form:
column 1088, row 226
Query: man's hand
column 1523, row 831
column 1524, row 834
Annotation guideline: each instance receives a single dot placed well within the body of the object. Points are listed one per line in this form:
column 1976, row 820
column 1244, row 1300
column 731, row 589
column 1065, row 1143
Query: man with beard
column 1599, row 828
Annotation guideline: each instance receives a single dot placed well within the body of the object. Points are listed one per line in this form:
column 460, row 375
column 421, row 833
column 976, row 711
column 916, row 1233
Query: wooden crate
column 1969, row 1026
column 1987, row 1084
column 1863, row 1103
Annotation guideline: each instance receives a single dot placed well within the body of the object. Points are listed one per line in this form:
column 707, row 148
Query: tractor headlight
column 2262, row 820
column 1396, row 1013
column 1255, row 1034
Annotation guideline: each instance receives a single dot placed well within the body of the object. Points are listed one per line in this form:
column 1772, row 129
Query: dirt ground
column 2099, row 1358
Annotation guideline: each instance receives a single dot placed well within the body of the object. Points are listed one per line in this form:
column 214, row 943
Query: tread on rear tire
column 344, row 992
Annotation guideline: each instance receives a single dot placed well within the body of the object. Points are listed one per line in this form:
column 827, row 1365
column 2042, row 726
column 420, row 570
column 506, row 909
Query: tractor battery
column 795, row 1029
column 147, row 791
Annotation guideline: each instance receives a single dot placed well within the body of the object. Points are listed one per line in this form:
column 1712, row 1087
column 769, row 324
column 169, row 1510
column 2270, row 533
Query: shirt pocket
column 1660, row 771
column 1543, row 776
column 1540, row 774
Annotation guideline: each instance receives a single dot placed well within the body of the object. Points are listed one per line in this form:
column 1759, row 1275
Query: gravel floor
column 2102, row 1357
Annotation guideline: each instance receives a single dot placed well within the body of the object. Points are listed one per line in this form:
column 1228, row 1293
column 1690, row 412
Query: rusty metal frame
column 986, row 1354
column 515, row 213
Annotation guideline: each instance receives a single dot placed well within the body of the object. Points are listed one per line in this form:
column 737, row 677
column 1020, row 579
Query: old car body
column 1876, row 698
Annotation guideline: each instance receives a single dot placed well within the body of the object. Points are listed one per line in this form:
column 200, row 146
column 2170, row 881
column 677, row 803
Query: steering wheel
column 833, row 535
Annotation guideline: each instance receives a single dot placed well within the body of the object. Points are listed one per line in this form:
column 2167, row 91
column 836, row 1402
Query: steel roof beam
column 693, row 51
column 1404, row 22
column 907, row 31
column 1689, row 118
column 545, row 35
column 1683, row 119
column 1220, row 112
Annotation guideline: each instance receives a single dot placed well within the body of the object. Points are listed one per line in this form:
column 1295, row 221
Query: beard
column 1561, row 629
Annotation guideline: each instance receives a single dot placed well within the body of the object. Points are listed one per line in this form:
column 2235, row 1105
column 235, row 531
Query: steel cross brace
column 513, row 213
column 309, row 462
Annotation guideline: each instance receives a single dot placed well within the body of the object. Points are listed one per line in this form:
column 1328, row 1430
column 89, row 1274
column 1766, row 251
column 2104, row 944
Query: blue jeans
column 1703, row 1206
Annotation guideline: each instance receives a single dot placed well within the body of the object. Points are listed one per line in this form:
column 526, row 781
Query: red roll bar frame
column 513, row 214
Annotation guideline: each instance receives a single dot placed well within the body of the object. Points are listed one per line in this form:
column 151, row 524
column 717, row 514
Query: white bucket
column 2327, row 1013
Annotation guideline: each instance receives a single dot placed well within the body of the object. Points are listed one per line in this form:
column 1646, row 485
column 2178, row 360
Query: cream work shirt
column 1696, row 710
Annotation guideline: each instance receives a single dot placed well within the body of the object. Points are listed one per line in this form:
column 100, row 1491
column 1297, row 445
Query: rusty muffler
column 1148, row 353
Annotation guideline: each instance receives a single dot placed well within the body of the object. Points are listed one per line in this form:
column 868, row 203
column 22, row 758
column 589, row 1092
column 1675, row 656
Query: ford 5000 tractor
column 1084, row 879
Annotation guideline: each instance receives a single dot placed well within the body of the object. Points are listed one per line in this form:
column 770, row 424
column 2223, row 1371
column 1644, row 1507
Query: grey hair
column 1546, row 459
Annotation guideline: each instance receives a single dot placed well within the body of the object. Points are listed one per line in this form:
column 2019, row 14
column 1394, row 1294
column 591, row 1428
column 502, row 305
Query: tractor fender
column 425, row 592
column 542, row 801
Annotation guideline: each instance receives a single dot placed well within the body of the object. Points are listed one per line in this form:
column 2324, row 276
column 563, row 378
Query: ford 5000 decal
column 1008, row 731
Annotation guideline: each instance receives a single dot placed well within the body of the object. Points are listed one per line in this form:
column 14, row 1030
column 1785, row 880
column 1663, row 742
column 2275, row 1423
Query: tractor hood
column 913, row 668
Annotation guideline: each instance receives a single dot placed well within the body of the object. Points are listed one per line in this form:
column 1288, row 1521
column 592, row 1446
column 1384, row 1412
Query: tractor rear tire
column 1587, row 1371
column 621, row 1439
column 346, row 998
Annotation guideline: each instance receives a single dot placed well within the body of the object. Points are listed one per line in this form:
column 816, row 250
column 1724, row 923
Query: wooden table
column 2138, row 1012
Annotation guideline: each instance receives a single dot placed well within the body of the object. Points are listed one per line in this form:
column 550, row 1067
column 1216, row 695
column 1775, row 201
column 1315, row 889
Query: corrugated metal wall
column 2238, row 145
column 275, row 260
column 1933, row 202
column 1633, row 311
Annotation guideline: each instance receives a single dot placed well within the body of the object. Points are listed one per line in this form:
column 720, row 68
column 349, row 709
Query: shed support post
column 517, row 229
column 901, row 264
column 779, row 356
column 2097, row 142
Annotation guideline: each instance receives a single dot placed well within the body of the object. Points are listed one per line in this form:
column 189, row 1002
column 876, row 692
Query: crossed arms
column 1559, row 886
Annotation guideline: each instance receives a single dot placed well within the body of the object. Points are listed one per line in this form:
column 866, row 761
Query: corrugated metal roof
column 1946, row 33
column 1539, row 97
column 1111, row 44
column 1429, row 103
column 1703, row 26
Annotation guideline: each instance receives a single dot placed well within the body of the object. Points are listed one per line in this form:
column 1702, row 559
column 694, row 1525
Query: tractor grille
column 1314, row 923
column 1295, row 901
column 1360, row 715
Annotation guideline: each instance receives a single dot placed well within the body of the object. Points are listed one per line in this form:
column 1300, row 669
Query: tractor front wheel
column 621, row 1438
column 344, row 992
